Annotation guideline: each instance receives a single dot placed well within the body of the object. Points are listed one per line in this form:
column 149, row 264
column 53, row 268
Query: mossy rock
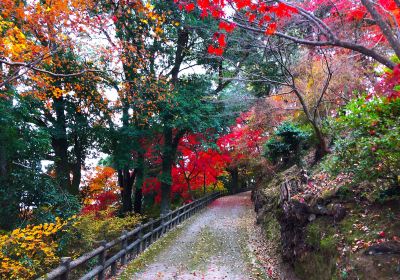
column 320, row 262
column 319, row 230
column 272, row 228
column 315, row 266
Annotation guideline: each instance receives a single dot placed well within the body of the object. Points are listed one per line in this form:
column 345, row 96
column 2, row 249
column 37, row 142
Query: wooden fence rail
column 131, row 243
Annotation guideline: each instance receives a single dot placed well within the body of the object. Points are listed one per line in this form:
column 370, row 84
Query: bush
column 25, row 253
column 369, row 146
column 87, row 230
column 286, row 144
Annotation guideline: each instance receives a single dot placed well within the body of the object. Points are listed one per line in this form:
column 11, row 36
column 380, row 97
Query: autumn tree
column 27, row 192
column 102, row 180
column 243, row 144
column 343, row 24
column 185, row 112
column 137, row 29
column 32, row 33
column 199, row 165
column 186, row 108
column 46, row 92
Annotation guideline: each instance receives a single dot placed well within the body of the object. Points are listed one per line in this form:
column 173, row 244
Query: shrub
column 369, row 146
column 87, row 230
column 286, row 144
column 26, row 252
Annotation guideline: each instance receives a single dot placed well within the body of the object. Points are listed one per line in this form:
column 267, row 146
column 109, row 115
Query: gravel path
column 214, row 244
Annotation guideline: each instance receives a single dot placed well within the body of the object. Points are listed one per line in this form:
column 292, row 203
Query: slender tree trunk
column 234, row 172
column 77, row 166
column 76, row 177
column 189, row 187
column 3, row 152
column 125, row 180
column 204, row 183
column 138, row 201
column 170, row 142
column 322, row 145
column 139, row 170
column 3, row 160
column 167, row 161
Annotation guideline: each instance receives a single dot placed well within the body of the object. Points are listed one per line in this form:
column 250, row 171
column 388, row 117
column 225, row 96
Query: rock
column 312, row 217
column 293, row 220
column 389, row 247
column 339, row 214
column 320, row 209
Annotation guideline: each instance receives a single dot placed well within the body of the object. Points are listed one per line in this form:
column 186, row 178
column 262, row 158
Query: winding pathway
column 214, row 244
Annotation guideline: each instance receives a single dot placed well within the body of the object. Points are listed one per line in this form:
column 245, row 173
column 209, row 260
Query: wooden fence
column 131, row 243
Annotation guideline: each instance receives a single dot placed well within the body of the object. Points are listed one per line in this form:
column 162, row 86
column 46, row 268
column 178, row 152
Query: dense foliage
column 286, row 144
column 27, row 252
column 117, row 111
column 368, row 144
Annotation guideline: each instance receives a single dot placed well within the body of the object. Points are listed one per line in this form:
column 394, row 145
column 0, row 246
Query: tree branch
column 56, row 75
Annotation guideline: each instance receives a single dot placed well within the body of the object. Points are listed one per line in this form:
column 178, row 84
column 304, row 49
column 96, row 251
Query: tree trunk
column 234, row 172
column 189, row 188
column 77, row 166
column 125, row 180
column 170, row 142
column 3, row 160
column 322, row 145
column 204, row 183
column 139, row 170
column 138, row 201
column 59, row 143
column 167, row 161
column 76, row 177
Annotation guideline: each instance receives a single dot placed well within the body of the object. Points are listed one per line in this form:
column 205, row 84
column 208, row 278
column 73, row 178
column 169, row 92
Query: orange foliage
column 102, row 180
column 31, row 30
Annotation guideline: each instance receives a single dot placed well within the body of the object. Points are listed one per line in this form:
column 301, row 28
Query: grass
column 151, row 253
column 206, row 246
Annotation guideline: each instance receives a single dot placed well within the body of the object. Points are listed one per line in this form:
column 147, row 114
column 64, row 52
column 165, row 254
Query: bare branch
column 31, row 67
column 325, row 88
column 330, row 41
column 384, row 26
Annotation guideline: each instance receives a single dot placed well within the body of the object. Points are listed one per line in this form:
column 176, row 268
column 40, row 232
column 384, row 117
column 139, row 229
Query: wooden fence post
column 102, row 260
column 173, row 215
column 169, row 220
column 65, row 262
column 124, row 245
column 162, row 225
column 114, row 268
column 150, row 238
column 166, row 220
column 178, row 213
column 140, row 235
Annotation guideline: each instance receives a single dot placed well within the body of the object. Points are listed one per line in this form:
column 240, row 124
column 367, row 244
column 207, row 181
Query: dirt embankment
column 325, row 230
